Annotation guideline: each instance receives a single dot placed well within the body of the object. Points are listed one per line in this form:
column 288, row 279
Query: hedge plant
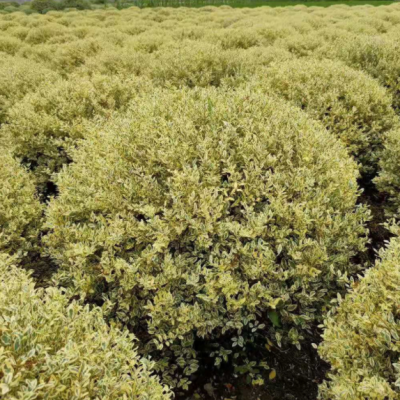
column 193, row 63
column 208, row 214
column 377, row 55
column 53, row 348
column 21, row 213
column 46, row 123
column 361, row 337
column 18, row 77
column 349, row 103
column 388, row 180
column 198, row 205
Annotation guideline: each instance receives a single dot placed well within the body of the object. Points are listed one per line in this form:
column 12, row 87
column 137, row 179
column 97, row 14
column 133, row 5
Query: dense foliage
column 189, row 216
column 349, row 103
column 361, row 339
column 45, row 124
column 19, row 76
column 201, row 178
column 52, row 348
column 388, row 181
column 378, row 55
column 20, row 210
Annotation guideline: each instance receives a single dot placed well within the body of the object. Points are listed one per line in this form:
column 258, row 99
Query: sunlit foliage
column 361, row 339
column 205, row 210
column 53, row 348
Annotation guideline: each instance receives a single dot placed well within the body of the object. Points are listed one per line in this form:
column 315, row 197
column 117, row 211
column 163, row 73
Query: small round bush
column 125, row 62
column 361, row 338
column 9, row 45
column 53, row 348
column 235, row 38
column 63, row 58
column 388, row 180
column 377, row 55
column 18, row 77
column 349, row 103
column 208, row 213
column 193, row 63
column 20, row 209
column 43, row 125
column 305, row 45
column 42, row 34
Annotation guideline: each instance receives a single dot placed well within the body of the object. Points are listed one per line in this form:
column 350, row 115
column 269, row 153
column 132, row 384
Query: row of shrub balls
column 185, row 184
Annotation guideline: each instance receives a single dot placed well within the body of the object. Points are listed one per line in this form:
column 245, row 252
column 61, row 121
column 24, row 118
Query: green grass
column 253, row 3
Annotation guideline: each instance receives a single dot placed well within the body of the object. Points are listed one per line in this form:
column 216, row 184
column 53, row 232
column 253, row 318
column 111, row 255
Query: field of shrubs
column 187, row 193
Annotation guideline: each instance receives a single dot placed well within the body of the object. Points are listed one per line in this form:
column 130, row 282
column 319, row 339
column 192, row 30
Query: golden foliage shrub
column 349, row 103
column 46, row 123
column 197, row 203
column 361, row 337
column 53, row 348
column 18, row 77
column 377, row 55
column 196, row 64
column 388, row 180
column 9, row 45
column 20, row 211
column 204, row 211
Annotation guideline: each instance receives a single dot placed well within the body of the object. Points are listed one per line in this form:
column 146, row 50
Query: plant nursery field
column 44, row 6
column 200, row 203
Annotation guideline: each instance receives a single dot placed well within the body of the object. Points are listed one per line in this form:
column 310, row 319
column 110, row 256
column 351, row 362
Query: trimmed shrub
column 51, row 348
column 19, row 31
column 302, row 45
column 9, row 45
column 42, row 34
column 188, row 63
column 377, row 55
column 18, row 77
column 208, row 213
column 258, row 57
column 361, row 338
column 202, row 64
column 388, row 181
column 203, row 213
column 349, row 103
column 20, row 210
column 64, row 58
column 235, row 38
column 122, row 62
column 74, row 54
column 195, row 64
column 45, row 124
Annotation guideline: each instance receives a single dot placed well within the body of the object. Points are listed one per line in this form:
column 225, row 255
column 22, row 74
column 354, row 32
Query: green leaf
column 6, row 339
column 17, row 344
column 274, row 317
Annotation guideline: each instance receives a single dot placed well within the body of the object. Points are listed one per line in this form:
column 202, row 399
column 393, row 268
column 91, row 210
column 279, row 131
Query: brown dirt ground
column 298, row 374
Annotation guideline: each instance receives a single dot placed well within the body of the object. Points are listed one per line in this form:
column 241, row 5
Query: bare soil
column 298, row 374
